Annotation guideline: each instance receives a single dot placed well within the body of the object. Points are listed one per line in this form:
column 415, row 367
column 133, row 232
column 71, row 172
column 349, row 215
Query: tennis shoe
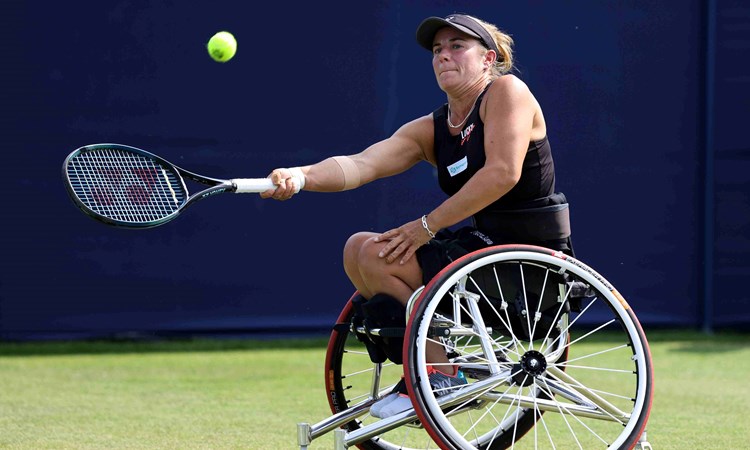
column 440, row 382
column 398, row 389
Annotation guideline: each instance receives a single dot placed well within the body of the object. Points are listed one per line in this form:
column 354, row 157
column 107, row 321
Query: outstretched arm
column 406, row 147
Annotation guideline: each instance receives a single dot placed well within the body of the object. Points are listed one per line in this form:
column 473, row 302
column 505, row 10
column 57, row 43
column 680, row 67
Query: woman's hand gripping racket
column 128, row 187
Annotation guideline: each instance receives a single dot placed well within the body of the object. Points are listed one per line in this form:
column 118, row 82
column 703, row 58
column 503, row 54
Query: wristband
column 299, row 176
column 426, row 227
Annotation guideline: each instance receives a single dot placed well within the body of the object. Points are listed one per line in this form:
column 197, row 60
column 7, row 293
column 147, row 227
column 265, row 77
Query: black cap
column 461, row 22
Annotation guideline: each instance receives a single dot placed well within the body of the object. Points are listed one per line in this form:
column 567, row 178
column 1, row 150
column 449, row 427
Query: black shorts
column 449, row 245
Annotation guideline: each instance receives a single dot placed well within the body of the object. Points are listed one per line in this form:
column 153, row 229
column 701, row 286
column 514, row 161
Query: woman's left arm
column 508, row 113
column 508, row 116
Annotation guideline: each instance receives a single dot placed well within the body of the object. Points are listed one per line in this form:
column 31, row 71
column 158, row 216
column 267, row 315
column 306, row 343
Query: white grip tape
column 257, row 185
column 252, row 185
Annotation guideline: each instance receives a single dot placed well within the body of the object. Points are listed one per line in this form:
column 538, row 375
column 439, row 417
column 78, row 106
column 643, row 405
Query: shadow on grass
column 169, row 343
column 689, row 341
column 693, row 341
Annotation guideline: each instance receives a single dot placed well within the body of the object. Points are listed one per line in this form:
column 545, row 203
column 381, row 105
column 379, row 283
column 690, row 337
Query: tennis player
column 490, row 145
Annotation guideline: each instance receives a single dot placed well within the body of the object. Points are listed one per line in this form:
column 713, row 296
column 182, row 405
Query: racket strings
column 125, row 186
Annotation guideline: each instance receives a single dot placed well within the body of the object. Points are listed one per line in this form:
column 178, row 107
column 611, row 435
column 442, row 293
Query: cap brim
column 427, row 29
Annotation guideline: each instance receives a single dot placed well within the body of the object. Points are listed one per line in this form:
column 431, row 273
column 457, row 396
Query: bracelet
column 427, row 228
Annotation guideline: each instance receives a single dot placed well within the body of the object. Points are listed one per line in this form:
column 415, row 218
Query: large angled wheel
column 554, row 356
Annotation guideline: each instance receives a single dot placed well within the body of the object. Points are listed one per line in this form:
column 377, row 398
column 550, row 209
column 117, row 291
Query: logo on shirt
column 465, row 133
column 458, row 166
column 483, row 237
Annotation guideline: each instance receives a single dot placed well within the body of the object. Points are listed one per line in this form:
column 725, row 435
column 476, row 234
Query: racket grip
column 254, row 185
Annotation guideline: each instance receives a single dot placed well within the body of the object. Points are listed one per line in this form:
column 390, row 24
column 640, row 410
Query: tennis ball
column 222, row 46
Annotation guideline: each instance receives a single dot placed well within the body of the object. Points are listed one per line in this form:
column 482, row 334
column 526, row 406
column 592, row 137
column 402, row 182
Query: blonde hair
column 504, row 61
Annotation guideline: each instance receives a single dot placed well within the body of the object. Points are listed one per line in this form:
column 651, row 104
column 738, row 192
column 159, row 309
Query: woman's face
column 457, row 59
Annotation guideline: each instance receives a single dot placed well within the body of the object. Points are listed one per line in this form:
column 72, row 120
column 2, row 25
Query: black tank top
column 460, row 157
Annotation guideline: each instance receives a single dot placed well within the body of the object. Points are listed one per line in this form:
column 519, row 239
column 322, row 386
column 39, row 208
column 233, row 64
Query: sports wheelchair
column 553, row 354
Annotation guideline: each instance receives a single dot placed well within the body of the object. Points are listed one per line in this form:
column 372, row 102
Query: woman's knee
column 373, row 267
column 368, row 255
column 353, row 247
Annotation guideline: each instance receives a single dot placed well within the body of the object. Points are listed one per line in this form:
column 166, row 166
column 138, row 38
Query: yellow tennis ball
column 222, row 46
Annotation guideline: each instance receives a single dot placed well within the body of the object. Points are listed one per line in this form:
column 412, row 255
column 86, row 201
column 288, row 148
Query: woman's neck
column 461, row 105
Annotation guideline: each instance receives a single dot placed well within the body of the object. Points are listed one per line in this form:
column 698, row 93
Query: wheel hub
column 531, row 365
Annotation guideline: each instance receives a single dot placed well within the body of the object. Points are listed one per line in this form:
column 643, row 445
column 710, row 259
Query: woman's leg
column 371, row 275
column 351, row 257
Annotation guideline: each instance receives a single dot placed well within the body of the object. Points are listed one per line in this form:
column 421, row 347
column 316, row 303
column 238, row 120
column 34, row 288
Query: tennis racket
column 128, row 187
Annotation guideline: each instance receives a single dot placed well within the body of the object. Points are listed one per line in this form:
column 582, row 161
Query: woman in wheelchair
column 490, row 145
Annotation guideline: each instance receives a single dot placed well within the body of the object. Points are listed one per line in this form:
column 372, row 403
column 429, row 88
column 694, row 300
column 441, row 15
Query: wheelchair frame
column 511, row 318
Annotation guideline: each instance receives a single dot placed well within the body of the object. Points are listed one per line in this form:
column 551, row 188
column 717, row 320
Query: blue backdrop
column 645, row 102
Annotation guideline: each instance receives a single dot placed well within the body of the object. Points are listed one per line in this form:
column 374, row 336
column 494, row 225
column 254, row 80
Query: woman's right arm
column 410, row 144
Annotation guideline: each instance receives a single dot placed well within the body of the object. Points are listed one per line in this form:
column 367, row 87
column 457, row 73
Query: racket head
column 124, row 186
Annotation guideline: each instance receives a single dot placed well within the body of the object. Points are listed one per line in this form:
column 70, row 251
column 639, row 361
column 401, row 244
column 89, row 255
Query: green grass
column 250, row 394
column 702, row 395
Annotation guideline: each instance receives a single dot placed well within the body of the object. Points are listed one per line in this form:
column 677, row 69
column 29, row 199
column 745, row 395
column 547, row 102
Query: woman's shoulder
column 505, row 93
column 509, row 84
column 419, row 130
column 422, row 124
